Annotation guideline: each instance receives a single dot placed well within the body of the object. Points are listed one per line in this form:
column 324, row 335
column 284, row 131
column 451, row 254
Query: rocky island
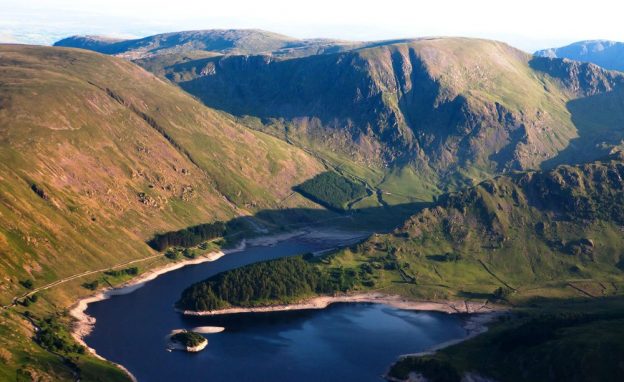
column 187, row 340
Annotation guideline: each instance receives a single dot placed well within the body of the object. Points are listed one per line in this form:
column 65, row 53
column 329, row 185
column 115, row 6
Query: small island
column 188, row 340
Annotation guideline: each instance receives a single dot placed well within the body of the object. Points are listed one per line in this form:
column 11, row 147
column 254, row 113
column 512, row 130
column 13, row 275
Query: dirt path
column 76, row 276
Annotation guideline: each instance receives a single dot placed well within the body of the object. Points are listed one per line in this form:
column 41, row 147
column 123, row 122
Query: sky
column 526, row 24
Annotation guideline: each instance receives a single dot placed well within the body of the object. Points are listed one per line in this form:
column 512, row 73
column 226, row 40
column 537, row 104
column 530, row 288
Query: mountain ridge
column 448, row 105
column 221, row 41
column 605, row 53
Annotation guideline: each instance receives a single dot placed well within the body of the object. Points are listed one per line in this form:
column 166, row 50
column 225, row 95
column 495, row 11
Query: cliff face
column 580, row 79
column 453, row 107
column 452, row 111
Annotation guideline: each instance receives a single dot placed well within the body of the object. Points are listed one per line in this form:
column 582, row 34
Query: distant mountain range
column 604, row 53
column 222, row 41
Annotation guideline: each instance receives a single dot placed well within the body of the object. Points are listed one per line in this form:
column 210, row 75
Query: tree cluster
column 188, row 237
column 331, row 190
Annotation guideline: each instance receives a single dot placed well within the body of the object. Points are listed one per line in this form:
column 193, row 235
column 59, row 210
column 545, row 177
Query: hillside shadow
column 599, row 120
column 373, row 219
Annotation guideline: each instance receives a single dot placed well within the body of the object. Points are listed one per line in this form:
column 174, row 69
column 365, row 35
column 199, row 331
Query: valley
column 467, row 173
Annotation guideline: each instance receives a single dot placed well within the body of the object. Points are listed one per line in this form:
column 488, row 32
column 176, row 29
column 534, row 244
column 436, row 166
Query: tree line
column 280, row 280
column 188, row 237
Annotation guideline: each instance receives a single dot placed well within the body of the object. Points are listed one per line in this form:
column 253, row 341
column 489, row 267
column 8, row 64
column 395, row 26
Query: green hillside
column 97, row 151
column 536, row 240
column 552, row 234
column 96, row 157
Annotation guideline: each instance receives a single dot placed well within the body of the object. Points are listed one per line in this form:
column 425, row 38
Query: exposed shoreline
column 480, row 314
column 83, row 323
column 395, row 301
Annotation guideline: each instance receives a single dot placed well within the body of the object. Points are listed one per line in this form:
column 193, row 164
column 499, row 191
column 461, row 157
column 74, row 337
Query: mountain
column 441, row 112
column 221, row 41
column 550, row 243
column 91, row 42
column 98, row 155
column 410, row 118
column 604, row 53
column 516, row 156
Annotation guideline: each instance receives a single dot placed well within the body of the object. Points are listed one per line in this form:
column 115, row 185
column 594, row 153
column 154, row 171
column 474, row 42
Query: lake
column 342, row 342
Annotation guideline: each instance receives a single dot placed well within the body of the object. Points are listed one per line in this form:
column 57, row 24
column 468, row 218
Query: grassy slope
column 115, row 155
column 539, row 234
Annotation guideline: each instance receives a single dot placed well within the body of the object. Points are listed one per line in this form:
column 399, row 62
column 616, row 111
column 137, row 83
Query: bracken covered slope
column 96, row 155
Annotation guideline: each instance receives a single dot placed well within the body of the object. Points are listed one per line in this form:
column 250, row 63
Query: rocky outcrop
column 582, row 79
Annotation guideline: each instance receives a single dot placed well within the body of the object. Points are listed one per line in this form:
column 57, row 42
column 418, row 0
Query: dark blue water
column 342, row 342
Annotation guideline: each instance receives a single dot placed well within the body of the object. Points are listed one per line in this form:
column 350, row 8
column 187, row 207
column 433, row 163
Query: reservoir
column 342, row 342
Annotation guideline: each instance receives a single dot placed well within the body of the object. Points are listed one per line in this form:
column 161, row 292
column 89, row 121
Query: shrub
column 93, row 285
column 28, row 283
column 52, row 336
column 502, row 293
column 188, row 338
column 132, row 271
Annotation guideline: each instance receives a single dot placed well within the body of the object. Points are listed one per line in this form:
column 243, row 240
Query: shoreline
column 83, row 323
column 480, row 314
column 395, row 301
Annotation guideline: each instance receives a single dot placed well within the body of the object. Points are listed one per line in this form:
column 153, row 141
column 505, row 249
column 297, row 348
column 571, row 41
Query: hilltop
column 604, row 53
column 411, row 118
column 216, row 41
